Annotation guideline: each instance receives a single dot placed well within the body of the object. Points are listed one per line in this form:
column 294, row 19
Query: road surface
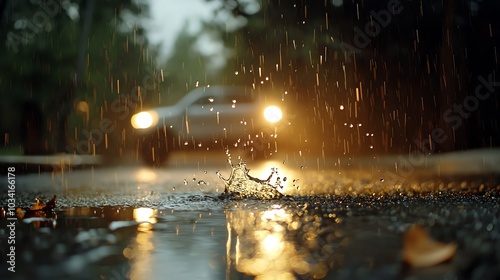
column 343, row 218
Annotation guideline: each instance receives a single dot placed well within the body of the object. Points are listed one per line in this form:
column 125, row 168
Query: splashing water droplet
column 201, row 182
column 241, row 184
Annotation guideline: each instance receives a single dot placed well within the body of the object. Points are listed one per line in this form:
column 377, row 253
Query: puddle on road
column 310, row 237
column 148, row 233
column 248, row 237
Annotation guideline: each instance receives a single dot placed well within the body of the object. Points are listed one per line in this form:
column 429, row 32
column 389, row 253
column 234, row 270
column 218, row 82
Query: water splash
column 240, row 184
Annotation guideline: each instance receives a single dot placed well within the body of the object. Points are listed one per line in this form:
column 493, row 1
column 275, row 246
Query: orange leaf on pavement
column 420, row 250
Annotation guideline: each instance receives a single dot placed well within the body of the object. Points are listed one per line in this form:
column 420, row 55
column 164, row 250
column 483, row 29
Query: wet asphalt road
column 345, row 220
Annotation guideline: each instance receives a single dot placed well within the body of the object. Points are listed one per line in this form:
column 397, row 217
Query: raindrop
column 381, row 179
column 185, row 182
column 201, row 182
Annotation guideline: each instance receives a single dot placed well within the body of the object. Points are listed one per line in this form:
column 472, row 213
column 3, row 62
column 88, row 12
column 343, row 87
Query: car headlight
column 273, row 114
column 143, row 120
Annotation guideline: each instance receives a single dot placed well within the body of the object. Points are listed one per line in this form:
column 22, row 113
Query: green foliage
column 40, row 58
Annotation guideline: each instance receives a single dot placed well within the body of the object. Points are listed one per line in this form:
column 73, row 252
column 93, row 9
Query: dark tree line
column 391, row 69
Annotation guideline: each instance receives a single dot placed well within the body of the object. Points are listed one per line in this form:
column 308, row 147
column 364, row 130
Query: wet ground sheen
column 301, row 237
column 137, row 223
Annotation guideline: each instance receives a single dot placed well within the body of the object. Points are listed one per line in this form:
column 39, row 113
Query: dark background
column 423, row 61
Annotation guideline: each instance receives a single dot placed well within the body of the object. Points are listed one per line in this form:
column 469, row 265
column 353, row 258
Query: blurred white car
column 210, row 117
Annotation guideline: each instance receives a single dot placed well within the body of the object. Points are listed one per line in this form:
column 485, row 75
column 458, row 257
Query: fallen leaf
column 51, row 204
column 420, row 250
column 39, row 209
column 41, row 214
column 39, row 206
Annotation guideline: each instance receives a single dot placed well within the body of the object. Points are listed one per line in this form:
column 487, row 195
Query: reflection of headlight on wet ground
column 272, row 244
column 276, row 214
column 145, row 215
column 140, row 249
column 264, row 250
